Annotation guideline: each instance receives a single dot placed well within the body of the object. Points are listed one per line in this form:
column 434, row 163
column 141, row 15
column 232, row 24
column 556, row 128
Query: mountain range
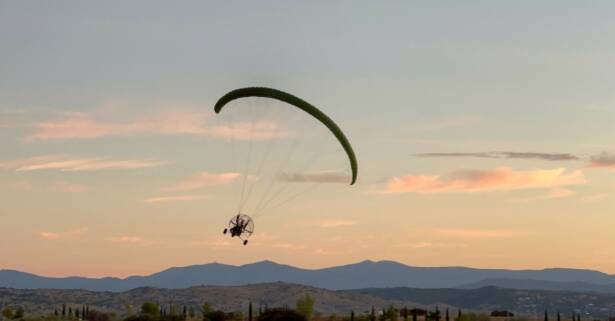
column 366, row 274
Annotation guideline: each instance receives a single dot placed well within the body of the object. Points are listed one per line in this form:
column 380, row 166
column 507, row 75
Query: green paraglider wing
column 299, row 103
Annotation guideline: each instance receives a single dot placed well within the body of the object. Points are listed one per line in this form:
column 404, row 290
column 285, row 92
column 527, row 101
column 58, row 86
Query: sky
column 483, row 131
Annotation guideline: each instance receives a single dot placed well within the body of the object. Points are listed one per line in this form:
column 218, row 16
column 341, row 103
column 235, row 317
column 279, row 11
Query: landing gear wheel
column 245, row 242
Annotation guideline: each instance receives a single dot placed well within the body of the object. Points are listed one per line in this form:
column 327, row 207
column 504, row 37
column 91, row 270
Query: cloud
column 72, row 164
column 507, row 155
column 555, row 193
column 323, row 252
column 127, row 239
column 316, row 177
column 176, row 198
column 70, row 187
column 478, row 233
column 48, row 235
column 288, row 246
column 329, row 223
column 474, row 181
column 429, row 245
column 595, row 197
column 602, row 160
column 93, row 126
column 204, row 179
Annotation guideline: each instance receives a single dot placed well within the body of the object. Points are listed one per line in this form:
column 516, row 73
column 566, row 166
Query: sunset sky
column 484, row 133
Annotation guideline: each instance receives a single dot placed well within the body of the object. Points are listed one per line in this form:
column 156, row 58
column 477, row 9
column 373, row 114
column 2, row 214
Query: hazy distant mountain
column 531, row 284
column 341, row 302
column 365, row 274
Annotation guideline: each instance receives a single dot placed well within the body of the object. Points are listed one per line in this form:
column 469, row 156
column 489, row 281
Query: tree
column 546, row 315
column 7, row 313
column 351, row 315
column 191, row 312
column 19, row 314
column 55, row 312
column 63, row 310
column 447, row 317
column 305, row 306
column 281, row 315
column 149, row 308
column 372, row 316
column 185, row 313
column 206, row 308
column 250, row 311
column 70, row 312
column 77, row 313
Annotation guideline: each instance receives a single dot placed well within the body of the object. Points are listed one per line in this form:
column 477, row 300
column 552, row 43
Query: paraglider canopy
column 298, row 103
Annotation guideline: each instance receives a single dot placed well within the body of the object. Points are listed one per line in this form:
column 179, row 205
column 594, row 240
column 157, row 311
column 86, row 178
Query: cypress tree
column 559, row 317
column 77, row 313
column 414, row 314
column 185, row 313
column 447, row 316
column 546, row 315
column 83, row 312
column 373, row 314
column 55, row 312
column 63, row 310
column 351, row 315
column 405, row 313
column 70, row 312
column 459, row 315
column 250, row 311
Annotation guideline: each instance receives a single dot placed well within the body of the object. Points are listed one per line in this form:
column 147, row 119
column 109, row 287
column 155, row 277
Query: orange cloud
column 602, row 160
column 204, row 179
column 71, row 164
column 174, row 198
column 48, row 235
column 70, row 187
column 87, row 126
column 327, row 223
column 478, row 233
column 499, row 179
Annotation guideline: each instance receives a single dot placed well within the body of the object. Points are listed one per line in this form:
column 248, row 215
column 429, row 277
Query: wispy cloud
column 595, row 197
column 67, row 187
column 326, row 252
column 555, row 193
column 75, row 164
column 93, row 126
column 288, row 246
column 430, row 245
column 473, row 181
column 334, row 222
column 506, row 155
column 129, row 239
column 204, row 179
column 315, row 177
column 176, row 198
column 602, row 160
column 49, row 235
column 478, row 233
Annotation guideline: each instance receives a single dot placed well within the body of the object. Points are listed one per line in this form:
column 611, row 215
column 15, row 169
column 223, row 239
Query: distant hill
column 365, row 274
column 341, row 302
column 530, row 284
column 526, row 302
